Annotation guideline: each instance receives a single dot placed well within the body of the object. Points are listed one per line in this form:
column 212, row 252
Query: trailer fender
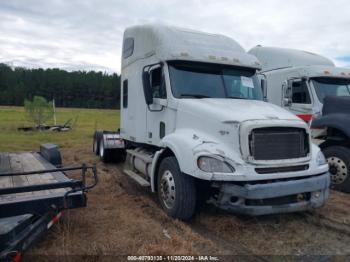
column 51, row 153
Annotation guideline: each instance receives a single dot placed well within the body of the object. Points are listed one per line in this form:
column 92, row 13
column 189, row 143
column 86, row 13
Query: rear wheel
column 105, row 154
column 176, row 191
column 338, row 158
column 96, row 142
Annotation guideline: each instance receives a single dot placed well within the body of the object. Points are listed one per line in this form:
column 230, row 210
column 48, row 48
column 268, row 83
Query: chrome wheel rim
column 102, row 150
column 338, row 170
column 167, row 189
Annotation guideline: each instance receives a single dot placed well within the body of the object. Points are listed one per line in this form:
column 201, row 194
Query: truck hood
column 234, row 110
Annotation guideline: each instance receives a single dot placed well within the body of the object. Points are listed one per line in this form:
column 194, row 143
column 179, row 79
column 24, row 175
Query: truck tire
column 338, row 158
column 96, row 142
column 105, row 154
column 176, row 191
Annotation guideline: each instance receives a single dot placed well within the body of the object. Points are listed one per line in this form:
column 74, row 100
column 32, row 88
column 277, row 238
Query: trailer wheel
column 338, row 158
column 176, row 191
column 96, row 142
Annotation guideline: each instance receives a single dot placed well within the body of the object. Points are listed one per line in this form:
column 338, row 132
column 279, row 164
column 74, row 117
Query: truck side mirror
column 264, row 89
column 147, row 87
column 287, row 102
column 287, row 98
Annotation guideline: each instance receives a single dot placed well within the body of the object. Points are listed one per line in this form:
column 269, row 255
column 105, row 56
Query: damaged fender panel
column 188, row 145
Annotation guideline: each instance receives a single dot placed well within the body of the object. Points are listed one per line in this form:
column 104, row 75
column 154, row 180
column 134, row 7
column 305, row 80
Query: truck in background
column 193, row 124
column 302, row 82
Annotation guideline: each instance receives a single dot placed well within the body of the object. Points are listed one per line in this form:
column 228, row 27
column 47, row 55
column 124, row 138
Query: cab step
column 139, row 179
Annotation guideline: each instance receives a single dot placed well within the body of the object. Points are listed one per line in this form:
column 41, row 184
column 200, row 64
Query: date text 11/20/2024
column 173, row 258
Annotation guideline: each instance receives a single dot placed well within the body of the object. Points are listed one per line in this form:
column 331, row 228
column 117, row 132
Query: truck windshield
column 331, row 87
column 205, row 80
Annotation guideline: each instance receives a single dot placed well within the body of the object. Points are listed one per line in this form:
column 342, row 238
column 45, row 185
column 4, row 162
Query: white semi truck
column 193, row 124
column 303, row 82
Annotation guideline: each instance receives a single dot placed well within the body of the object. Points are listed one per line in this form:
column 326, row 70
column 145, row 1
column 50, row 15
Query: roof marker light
column 326, row 72
column 184, row 54
column 224, row 58
column 212, row 57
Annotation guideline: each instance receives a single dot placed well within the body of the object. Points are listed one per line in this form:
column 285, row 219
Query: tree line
column 68, row 89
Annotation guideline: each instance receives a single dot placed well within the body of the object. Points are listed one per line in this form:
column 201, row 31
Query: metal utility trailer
column 34, row 192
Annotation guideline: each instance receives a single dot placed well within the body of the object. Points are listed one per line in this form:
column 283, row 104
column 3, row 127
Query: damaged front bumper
column 274, row 197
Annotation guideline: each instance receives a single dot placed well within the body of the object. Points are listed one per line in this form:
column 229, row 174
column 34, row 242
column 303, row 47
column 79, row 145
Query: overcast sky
column 84, row 35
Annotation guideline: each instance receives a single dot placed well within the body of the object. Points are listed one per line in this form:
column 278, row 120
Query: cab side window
column 125, row 93
column 300, row 93
column 157, row 83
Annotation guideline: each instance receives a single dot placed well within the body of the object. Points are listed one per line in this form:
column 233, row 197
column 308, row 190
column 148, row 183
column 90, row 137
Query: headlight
column 321, row 160
column 210, row 164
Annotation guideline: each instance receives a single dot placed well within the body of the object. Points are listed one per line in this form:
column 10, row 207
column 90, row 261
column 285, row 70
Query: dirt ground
column 124, row 219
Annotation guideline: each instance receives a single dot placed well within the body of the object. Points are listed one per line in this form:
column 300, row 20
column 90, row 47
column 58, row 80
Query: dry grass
column 121, row 219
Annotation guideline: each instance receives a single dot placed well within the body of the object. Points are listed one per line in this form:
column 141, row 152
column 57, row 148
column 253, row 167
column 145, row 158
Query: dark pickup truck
column 335, row 123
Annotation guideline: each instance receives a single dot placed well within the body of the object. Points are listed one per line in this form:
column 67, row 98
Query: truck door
column 157, row 113
column 297, row 98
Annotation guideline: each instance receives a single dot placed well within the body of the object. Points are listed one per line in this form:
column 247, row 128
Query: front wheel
column 338, row 158
column 176, row 191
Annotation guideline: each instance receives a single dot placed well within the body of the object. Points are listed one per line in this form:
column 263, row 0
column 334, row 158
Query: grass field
column 86, row 121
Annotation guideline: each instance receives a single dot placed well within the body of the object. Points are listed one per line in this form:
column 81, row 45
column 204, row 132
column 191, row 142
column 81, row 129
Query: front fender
column 339, row 121
column 181, row 143
column 185, row 144
column 189, row 144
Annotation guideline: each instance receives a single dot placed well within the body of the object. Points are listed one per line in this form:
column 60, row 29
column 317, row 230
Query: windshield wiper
column 236, row 97
column 195, row 95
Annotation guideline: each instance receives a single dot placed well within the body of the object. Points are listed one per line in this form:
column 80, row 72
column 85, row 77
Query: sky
column 87, row 34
